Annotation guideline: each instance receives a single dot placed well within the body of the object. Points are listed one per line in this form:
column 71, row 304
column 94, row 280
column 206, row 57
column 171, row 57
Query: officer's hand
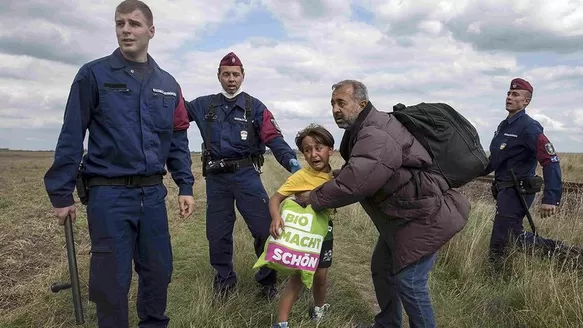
column 62, row 212
column 547, row 210
column 276, row 227
column 336, row 172
column 186, row 205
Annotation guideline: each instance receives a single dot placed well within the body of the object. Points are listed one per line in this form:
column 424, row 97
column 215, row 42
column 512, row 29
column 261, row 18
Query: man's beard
column 345, row 122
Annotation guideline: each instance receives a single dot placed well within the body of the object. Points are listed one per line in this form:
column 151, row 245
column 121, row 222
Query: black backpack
column 451, row 140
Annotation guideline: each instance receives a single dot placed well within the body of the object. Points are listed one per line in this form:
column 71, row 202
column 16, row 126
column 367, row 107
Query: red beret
column 520, row 84
column 231, row 60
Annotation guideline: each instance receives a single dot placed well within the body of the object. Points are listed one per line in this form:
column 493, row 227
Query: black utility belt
column 132, row 181
column 230, row 166
column 530, row 185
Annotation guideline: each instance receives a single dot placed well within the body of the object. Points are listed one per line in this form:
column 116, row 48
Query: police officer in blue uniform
column 518, row 144
column 137, row 123
column 236, row 128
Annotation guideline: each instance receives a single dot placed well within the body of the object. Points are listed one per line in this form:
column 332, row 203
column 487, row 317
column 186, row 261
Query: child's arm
column 276, row 220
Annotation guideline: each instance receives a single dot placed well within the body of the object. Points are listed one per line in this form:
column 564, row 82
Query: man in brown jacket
column 415, row 212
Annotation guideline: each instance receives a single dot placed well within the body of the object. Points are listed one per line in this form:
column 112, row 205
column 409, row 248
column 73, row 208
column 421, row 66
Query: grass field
column 537, row 293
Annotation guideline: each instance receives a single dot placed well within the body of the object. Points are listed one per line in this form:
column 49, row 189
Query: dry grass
column 537, row 293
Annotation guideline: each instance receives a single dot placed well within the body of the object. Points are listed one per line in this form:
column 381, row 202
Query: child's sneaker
column 280, row 325
column 318, row 312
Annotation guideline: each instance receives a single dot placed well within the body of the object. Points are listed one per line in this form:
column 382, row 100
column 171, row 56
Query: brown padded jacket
column 415, row 212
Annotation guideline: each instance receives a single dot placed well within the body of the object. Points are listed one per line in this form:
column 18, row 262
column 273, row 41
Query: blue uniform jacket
column 134, row 128
column 229, row 139
column 519, row 143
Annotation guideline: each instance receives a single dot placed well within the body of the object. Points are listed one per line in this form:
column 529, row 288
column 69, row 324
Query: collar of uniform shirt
column 516, row 116
column 117, row 60
column 239, row 101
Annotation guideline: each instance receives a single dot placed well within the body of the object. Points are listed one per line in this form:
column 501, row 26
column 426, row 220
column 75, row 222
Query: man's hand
column 303, row 198
column 62, row 212
column 276, row 227
column 547, row 210
column 186, row 205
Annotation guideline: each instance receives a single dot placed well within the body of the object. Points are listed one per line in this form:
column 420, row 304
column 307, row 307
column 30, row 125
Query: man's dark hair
column 318, row 132
column 128, row 6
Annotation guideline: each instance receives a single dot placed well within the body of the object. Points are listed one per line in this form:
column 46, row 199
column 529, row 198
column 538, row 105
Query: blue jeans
column 409, row 287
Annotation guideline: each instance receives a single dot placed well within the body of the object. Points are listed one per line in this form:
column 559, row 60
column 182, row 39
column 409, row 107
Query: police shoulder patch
column 550, row 149
column 275, row 125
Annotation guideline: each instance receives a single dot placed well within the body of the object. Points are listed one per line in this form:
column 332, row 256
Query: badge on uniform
column 550, row 149
column 243, row 135
column 502, row 146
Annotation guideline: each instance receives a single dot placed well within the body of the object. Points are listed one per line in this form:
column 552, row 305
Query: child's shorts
column 327, row 245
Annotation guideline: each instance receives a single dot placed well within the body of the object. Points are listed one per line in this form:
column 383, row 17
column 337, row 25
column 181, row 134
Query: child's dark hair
column 318, row 132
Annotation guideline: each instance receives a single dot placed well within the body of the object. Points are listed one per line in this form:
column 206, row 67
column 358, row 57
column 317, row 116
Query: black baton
column 522, row 201
column 74, row 276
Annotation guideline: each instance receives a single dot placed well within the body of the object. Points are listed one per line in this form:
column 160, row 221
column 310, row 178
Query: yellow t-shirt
column 306, row 179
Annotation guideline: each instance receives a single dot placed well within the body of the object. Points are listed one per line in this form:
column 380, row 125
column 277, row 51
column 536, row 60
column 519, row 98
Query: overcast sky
column 461, row 52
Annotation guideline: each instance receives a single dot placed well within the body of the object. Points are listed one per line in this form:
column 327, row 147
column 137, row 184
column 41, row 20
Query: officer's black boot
column 569, row 257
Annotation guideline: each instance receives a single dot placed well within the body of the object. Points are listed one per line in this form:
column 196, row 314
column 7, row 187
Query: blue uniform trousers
column 508, row 225
column 125, row 224
column 245, row 188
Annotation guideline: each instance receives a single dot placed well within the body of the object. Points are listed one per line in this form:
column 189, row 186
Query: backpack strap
column 250, row 121
column 252, row 125
column 209, row 117
column 212, row 116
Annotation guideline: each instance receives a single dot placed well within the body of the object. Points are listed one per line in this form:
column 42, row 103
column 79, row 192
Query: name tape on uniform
column 166, row 93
